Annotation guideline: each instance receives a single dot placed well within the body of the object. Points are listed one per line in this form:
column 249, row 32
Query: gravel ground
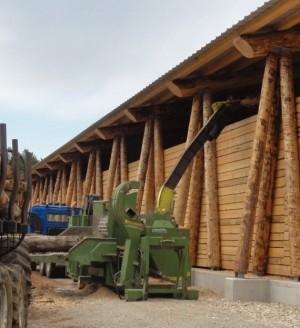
column 57, row 303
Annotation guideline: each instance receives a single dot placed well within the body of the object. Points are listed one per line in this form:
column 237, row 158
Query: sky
column 64, row 64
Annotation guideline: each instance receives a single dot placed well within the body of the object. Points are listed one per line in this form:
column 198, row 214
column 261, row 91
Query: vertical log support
column 194, row 205
column 57, row 186
column 182, row 196
column 45, row 190
column 264, row 205
column 291, row 158
column 113, row 167
column 50, row 190
column 251, row 196
column 36, row 192
column 149, row 194
column 211, row 186
column 145, row 151
column 63, row 185
column 99, row 175
column 123, row 160
column 71, row 184
column 79, row 183
column 88, row 177
column 159, row 167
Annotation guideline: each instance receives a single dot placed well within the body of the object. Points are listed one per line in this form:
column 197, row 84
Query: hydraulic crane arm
column 222, row 116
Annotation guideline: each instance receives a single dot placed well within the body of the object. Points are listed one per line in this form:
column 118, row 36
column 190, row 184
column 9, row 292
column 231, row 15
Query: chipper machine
column 136, row 254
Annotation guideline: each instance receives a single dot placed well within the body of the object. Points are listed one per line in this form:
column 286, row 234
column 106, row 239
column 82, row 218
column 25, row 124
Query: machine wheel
column 6, row 307
column 42, row 268
column 21, row 257
column 50, row 270
column 20, row 300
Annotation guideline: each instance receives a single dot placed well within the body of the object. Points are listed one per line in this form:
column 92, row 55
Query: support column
column 211, row 186
column 113, row 167
column 183, row 188
column 248, row 215
column 291, row 158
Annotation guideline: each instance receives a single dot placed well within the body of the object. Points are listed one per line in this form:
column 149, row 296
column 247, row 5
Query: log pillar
column 57, row 185
column 36, row 192
column 63, row 185
column 79, row 183
column 291, row 158
column 211, row 186
column 45, row 190
column 113, row 167
column 251, row 196
column 123, row 160
column 183, row 188
column 149, row 194
column 71, row 184
column 264, row 205
column 88, row 177
column 145, row 151
column 99, row 175
column 159, row 167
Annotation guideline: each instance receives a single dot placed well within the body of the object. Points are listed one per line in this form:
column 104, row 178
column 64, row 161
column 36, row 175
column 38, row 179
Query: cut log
column 264, row 206
column 50, row 190
column 260, row 45
column 36, row 192
column 183, row 188
column 291, row 158
column 79, row 183
column 123, row 160
column 149, row 194
column 159, row 171
column 71, row 184
column 88, row 177
column 63, row 185
column 251, row 195
column 99, row 175
column 57, row 185
column 41, row 243
column 45, row 190
column 211, row 187
column 113, row 167
column 145, row 151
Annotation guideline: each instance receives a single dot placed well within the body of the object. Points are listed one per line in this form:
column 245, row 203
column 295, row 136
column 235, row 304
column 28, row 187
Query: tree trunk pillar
column 251, row 196
column 211, row 186
column 291, row 158
column 113, row 167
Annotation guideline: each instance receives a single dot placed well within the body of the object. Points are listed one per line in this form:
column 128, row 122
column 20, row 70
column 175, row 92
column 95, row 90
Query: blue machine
column 50, row 219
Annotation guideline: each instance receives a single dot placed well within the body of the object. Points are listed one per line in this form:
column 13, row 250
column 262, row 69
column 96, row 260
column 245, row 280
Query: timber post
column 123, row 160
column 142, row 170
column 57, row 185
column 71, row 184
column 291, row 158
column 113, row 167
column 265, row 196
column 99, row 174
column 159, row 173
column 183, row 188
column 251, row 196
column 211, row 186
column 149, row 194
column 79, row 183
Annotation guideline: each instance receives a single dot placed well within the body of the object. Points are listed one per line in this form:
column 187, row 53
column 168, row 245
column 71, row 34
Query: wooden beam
column 115, row 152
column 288, row 22
column 138, row 114
column 183, row 188
column 71, row 183
column 188, row 87
column 82, row 148
column 291, row 158
column 111, row 132
column 260, row 45
column 123, row 160
column 159, row 173
column 211, row 188
column 251, row 195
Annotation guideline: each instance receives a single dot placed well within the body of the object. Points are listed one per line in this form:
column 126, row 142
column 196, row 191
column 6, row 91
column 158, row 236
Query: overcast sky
column 64, row 64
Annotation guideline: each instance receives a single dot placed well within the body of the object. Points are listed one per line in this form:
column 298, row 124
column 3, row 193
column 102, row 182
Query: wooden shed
column 240, row 195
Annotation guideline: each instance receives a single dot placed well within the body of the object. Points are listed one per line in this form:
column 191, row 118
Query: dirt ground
column 58, row 303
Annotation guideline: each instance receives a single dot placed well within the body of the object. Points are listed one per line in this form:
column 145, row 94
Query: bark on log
column 145, row 151
column 251, row 196
column 264, row 206
column 149, row 194
column 211, row 186
column 79, row 183
column 45, row 190
column 99, row 175
column 112, row 167
column 123, row 160
column 88, row 177
column 36, row 192
column 57, row 186
column 63, row 186
column 41, row 243
column 71, row 184
column 196, row 188
column 117, row 179
column 252, row 46
column 159, row 168
column 291, row 158
column 50, row 190
column 183, row 188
